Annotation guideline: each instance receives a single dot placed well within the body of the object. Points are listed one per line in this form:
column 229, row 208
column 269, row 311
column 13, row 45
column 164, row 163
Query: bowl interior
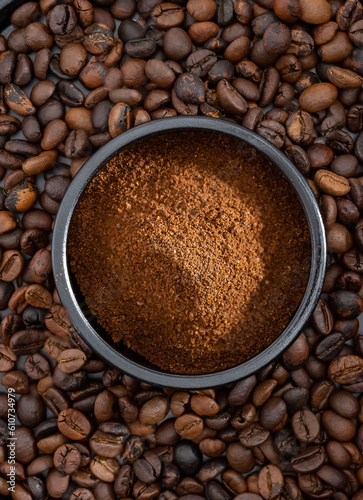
column 117, row 353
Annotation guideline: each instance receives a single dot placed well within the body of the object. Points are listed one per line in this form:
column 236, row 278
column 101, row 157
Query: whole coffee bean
column 71, row 360
column 322, row 319
column 25, row 14
column 317, row 97
column 93, row 74
column 53, row 109
column 339, row 428
column 148, row 468
column 252, row 436
column 31, row 129
column 167, row 15
column 346, row 369
column 69, row 94
column 305, row 426
column 67, row 459
column 190, row 89
column 129, row 29
column 8, row 63
column 177, row 44
column 261, row 22
column 16, row 380
column 141, row 48
column 77, row 144
column 300, row 128
column 273, row 413
column 106, row 445
column 346, row 304
column 189, row 426
column 11, row 265
column 33, row 240
column 56, row 483
column 36, row 366
column 28, row 341
column 30, row 408
column 349, row 14
column 331, row 183
column 41, row 64
column 348, row 213
column 329, row 347
column 62, row 19
column 230, row 99
column 188, row 458
column 22, row 197
column 56, row 186
column 37, row 36
column 98, row 38
column 105, row 469
column 73, row 424
column 120, row 119
column 270, row 481
column 200, row 62
column 10, row 161
column 24, row 70
column 344, row 403
column 273, row 131
column 7, row 358
column 309, row 460
column 296, row 398
column 17, row 100
column 277, row 38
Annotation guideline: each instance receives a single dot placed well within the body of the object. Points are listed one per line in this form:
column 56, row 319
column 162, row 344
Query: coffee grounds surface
column 192, row 249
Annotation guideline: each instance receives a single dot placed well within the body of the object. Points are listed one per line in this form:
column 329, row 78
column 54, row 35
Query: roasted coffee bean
column 187, row 457
column 296, row 398
column 273, row 131
column 30, row 408
column 305, row 426
column 346, row 304
column 8, row 63
column 148, row 468
column 31, row 129
column 69, row 93
column 17, row 381
column 67, row 459
column 309, row 460
column 221, row 70
column 339, row 428
column 190, row 89
column 24, row 70
column 17, row 100
column 329, row 347
column 28, row 341
column 322, row 319
column 120, row 119
column 32, row 240
column 77, row 144
column 73, row 424
column 71, row 360
column 36, row 366
column 346, row 369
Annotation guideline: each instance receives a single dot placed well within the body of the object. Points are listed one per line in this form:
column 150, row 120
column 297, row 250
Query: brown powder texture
column 192, row 249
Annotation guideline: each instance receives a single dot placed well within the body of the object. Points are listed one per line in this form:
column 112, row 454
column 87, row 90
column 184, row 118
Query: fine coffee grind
column 192, row 249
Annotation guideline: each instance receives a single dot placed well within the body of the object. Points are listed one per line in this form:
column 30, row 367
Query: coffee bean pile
column 75, row 74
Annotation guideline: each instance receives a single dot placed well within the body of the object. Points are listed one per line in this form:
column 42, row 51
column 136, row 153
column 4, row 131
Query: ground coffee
column 192, row 249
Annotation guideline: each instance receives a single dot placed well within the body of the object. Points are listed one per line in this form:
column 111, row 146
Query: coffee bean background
column 75, row 74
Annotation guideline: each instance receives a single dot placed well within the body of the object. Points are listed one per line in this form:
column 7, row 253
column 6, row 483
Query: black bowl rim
column 105, row 350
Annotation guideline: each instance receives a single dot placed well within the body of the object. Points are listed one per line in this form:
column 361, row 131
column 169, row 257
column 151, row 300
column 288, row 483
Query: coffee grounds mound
column 192, row 249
